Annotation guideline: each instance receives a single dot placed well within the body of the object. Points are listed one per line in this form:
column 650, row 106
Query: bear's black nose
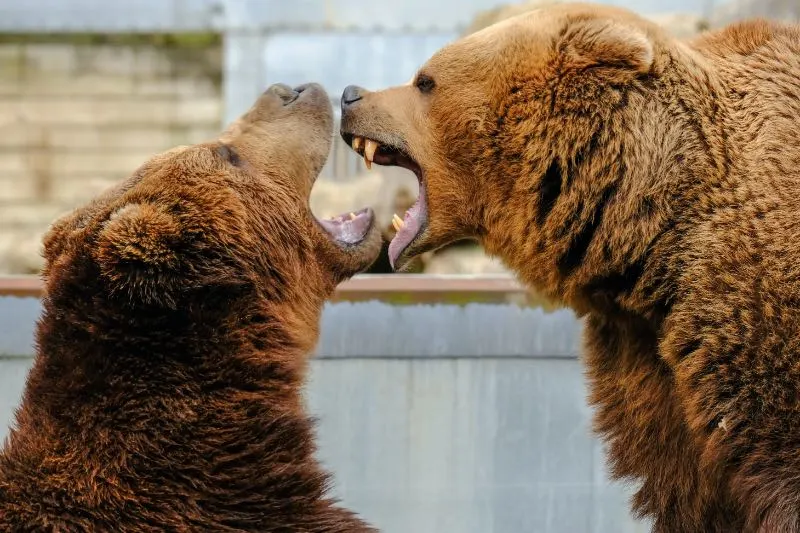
column 284, row 92
column 351, row 94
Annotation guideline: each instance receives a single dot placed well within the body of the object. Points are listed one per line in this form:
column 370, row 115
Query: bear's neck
column 203, row 417
column 600, row 226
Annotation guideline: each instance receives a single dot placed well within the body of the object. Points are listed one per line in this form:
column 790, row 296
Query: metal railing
column 423, row 288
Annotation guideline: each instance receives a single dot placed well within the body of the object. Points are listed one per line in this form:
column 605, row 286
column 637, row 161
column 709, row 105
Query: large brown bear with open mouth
column 180, row 310
column 652, row 185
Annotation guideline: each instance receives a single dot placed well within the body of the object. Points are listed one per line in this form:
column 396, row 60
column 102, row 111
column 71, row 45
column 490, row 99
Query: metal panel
column 13, row 372
column 243, row 79
column 372, row 60
column 475, row 330
column 375, row 329
column 18, row 318
column 465, row 445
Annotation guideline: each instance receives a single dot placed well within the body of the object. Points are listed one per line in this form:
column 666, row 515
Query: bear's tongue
column 407, row 227
column 349, row 228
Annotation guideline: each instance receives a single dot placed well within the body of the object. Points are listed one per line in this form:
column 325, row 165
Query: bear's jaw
column 349, row 228
column 413, row 223
column 408, row 227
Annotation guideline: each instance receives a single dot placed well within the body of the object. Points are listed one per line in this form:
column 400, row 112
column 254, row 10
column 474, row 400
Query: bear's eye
column 424, row 83
column 229, row 154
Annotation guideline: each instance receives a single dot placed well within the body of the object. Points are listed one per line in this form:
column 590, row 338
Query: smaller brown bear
column 180, row 310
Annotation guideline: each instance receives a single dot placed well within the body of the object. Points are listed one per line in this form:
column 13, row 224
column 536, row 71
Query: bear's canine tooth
column 357, row 143
column 397, row 222
column 353, row 216
column 369, row 152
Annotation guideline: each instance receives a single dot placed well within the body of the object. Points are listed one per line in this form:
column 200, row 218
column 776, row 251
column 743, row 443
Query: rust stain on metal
column 20, row 286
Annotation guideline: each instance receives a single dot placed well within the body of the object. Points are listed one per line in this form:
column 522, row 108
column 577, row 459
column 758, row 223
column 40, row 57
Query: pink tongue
column 404, row 237
column 346, row 229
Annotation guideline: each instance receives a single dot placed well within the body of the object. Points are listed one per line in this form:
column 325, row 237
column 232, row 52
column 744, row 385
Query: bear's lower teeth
column 397, row 222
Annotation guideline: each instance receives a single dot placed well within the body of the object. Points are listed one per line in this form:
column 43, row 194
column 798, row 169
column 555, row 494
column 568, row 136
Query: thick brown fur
column 179, row 314
column 652, row 185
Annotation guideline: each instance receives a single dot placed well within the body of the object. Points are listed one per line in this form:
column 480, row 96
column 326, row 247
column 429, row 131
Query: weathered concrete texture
column 75, row 119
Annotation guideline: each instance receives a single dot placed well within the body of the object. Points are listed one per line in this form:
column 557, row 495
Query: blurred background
column 90, row 88
column 448, row 402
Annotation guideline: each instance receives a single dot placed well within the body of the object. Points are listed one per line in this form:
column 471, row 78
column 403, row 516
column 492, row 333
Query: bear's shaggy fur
column 652, row 185
column 179, row 313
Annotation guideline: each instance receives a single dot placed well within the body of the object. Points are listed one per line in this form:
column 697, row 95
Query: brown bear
column 179, row 313
column 650, row 184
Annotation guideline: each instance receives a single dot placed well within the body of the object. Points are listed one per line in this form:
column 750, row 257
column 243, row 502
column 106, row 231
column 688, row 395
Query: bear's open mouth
column 413, row 222
column 349, row 228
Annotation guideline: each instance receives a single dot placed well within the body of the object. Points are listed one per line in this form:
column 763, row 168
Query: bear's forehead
column 524, row 39
column 527, row 31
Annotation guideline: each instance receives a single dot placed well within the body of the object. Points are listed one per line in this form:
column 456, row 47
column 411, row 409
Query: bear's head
column 198, row 226
column 516, row 130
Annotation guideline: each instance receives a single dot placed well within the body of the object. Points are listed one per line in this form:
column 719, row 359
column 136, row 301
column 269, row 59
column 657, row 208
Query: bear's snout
column 286, row 94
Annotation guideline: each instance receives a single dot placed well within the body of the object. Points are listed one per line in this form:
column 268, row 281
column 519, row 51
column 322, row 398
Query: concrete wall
column 76, row 118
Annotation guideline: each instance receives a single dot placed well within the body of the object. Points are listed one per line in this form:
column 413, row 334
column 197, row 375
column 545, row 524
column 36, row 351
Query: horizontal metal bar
column 366, row 286
column 20, row 286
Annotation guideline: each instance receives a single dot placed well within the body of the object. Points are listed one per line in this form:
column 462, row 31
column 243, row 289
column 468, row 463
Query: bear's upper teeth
column 357, row 143
column 369, row 152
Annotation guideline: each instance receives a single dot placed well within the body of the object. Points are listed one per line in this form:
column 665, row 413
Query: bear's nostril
column 351, row 94
column 284, row 92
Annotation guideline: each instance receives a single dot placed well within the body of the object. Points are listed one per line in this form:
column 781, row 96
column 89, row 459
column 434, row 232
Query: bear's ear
column 607, row 44
column 139, row 251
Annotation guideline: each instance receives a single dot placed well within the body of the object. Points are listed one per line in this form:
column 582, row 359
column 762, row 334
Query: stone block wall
column 76, row 118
